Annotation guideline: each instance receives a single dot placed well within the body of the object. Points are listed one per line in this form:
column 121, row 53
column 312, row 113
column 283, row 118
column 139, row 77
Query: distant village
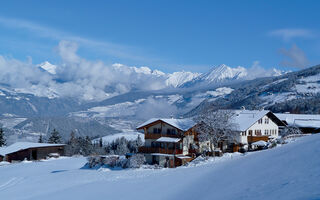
column 171, row 142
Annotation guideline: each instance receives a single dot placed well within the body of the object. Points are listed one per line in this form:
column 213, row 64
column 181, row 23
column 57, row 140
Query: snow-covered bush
column 113, row 161
column 136, row 161
column 290, row 130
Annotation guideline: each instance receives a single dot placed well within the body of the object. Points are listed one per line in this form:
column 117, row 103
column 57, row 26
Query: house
column 254, row 125
column 305, row 122
column 171, row 142
column 30, row 151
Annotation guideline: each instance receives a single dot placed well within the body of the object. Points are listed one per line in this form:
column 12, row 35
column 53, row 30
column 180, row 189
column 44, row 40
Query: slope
column 287, row 172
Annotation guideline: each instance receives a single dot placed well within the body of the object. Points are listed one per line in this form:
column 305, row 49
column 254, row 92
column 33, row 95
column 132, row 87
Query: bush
column 136, row 161
column 113, row 161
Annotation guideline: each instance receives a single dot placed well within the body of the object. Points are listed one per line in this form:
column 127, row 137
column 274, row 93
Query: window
column 250, row 132
column 171, row 131
column 266, row 120
column 260, row 121
column 156, row 130
column 257, row 132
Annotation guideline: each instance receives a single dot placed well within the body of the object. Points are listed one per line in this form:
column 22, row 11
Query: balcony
column 252, row 139
column 158, row 135
column 159, row 150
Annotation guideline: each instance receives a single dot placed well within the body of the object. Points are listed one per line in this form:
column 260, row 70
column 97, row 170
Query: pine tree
column 40, row 139
column 2, row 139
column 100, row 142
column 55, row 137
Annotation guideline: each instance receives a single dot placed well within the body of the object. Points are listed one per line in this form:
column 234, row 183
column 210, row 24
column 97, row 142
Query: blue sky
column 166, row 35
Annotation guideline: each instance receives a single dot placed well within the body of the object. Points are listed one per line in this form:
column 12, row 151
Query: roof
column 168, row 139
column 18, row 146
column 182, row 124
column 244, row 119
column 300, row 120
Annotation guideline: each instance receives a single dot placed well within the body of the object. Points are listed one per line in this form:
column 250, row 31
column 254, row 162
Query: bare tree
column 216, row 126
column 290, row 130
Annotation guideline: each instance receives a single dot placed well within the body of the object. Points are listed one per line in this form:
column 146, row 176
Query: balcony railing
column 252, row 139
column 159, row 150
column 158, row 135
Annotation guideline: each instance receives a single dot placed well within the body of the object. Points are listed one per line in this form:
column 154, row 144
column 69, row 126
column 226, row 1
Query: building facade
column 171, row 142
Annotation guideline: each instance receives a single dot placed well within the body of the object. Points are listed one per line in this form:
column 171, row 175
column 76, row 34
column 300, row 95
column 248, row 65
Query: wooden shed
column 31, row 151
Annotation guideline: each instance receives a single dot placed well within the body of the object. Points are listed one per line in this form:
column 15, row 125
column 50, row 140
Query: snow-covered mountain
column 100, row 100
column 48, row 67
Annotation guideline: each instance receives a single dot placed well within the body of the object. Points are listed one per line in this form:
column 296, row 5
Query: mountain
column 219, row 74
column 296, row 92
column 104, row 100
column 50, row 68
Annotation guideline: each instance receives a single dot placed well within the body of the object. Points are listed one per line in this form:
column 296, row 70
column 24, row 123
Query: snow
column 24, row 145
column 115, row 110
column 177, row 79
column 133, row 135
column 244, row 119
column 260, row 143
column 48, row 67
column 168, row 139
column 300, row 120
column 289, row 172
column 223, row 72
column 182, row 124
column 220, row 91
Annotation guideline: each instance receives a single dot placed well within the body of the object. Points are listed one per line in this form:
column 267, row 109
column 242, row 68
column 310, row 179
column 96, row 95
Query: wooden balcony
column 159, row 150
column 157, row 136
column 252, row 139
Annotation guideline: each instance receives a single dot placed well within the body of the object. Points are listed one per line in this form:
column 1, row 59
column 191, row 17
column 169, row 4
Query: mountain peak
column 224, row 72
column 50, row 68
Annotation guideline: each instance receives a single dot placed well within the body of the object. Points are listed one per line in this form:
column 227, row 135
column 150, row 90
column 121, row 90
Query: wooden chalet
column 171, row 142
column 31, row 151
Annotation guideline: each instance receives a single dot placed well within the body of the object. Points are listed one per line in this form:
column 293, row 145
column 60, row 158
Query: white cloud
column 294, row 57
column 289, row 34
column 78, row 77
column 257, row 71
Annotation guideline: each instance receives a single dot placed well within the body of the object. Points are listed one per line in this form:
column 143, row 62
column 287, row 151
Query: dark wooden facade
column 36, row 153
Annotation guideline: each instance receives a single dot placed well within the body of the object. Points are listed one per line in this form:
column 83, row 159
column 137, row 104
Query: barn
column 31, row 151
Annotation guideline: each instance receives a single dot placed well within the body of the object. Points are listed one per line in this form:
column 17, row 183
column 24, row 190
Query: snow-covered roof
column 260, row 143
column 182, row 124
column 300, row 120
column 168, row 139
column 244, row 119
column 18, row 146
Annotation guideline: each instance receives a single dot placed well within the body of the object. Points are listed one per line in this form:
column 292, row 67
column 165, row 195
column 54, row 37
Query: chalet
column 31, row 151
column 255, row 125
column 305, row 122
column 171, row 142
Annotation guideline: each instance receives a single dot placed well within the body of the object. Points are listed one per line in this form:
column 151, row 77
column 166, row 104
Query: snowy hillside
column 287, row 172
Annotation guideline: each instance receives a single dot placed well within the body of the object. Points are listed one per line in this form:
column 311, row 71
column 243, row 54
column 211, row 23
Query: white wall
column 270, row 129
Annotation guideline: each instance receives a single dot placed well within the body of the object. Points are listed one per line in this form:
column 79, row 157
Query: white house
column 255, row 125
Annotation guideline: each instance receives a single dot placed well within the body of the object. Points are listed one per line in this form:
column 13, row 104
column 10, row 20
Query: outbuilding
column 31, row 151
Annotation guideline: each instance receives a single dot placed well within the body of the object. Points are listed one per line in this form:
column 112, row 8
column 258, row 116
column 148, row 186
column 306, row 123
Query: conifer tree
column 2, row 139
column 55, row 137
column 40, row 139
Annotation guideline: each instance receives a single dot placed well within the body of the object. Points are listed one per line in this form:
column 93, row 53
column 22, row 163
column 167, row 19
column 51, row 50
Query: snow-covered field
column 291, row 171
